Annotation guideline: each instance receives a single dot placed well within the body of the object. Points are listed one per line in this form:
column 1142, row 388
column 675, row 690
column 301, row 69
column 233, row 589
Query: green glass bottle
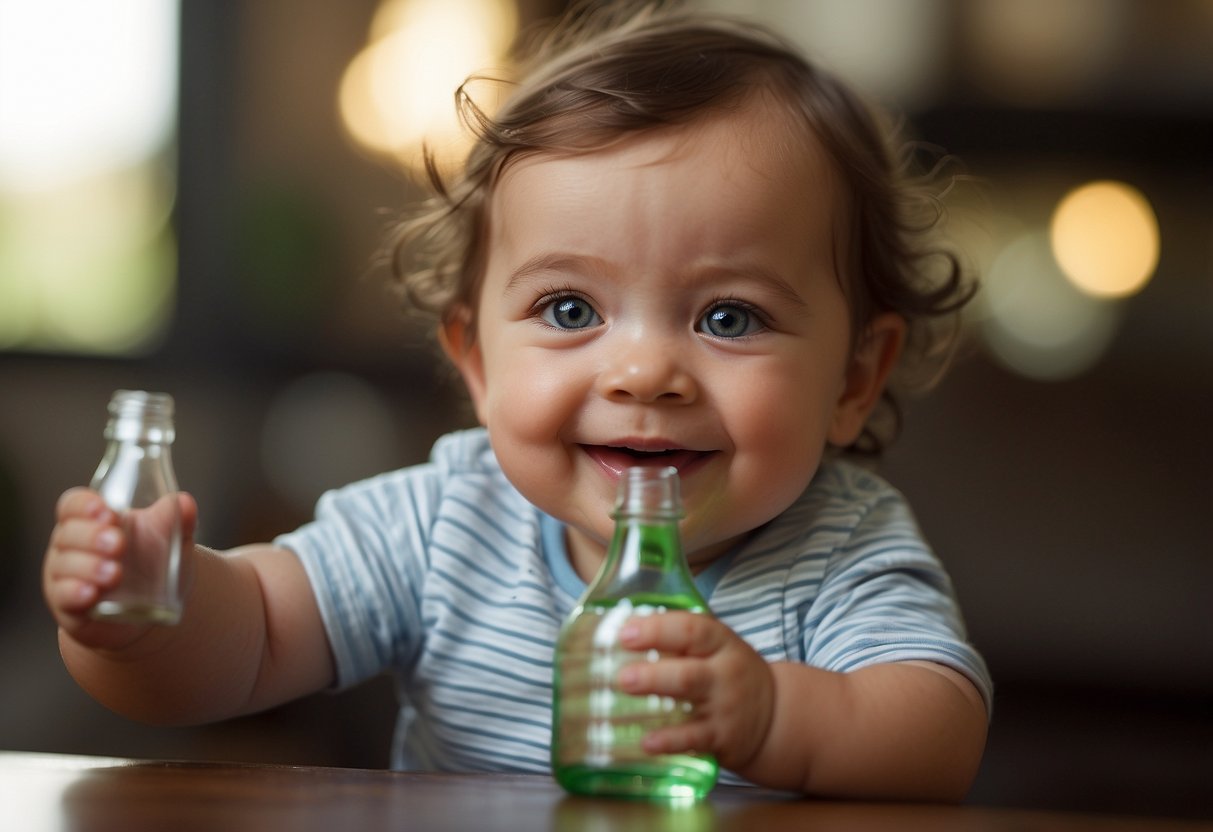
column 596, row 729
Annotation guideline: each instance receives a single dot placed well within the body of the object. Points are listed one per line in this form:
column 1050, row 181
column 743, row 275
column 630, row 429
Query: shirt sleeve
column 885, row 597
column 364, row 554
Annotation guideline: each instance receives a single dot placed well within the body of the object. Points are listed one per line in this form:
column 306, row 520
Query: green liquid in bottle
column 598, row 730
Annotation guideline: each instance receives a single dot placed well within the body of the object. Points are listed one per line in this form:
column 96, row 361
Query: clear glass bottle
column 136, row 480
column 596, row 729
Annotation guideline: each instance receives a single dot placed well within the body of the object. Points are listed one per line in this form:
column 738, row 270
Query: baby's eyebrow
column 771, row 281
column 556, row 261
column 589, row 265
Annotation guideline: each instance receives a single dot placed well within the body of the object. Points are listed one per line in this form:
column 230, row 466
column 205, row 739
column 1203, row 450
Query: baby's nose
column 647, row 372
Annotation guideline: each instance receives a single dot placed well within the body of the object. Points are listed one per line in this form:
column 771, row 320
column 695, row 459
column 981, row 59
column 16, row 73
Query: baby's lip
column 616, row 458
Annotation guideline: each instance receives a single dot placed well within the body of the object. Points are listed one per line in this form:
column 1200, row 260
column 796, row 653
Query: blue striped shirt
column 445, row 576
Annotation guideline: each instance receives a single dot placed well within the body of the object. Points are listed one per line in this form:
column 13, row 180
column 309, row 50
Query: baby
column 678, row 243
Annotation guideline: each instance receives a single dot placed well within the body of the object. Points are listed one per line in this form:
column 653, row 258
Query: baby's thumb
column 188, row 507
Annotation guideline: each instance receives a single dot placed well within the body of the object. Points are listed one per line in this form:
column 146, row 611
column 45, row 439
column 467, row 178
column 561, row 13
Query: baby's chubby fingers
column 686, row 679
column 674, row 633
column 71, row 597
column 74, row 578
column 84, row 535
column 696, row 736
column 83, row 503
column 83, row 566
column 82, row 559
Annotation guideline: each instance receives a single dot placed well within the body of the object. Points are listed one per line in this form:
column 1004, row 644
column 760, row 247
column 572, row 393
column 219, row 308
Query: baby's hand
column 85, row 558
column 729, row 686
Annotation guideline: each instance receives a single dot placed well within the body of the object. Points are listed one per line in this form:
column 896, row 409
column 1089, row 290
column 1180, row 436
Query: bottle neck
column 646, row 543
column 646, row 565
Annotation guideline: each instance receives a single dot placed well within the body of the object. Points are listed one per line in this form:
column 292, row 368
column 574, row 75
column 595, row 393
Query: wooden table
column 94, row 794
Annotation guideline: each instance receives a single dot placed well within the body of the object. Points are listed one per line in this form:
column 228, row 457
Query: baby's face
column 672, row 300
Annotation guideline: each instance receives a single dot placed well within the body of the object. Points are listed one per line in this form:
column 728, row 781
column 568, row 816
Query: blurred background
column 192, row 195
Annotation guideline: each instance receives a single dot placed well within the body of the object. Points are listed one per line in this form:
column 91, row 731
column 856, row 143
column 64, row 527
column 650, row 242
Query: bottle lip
column 141, row 416
column 649, row 491
column 131, row 401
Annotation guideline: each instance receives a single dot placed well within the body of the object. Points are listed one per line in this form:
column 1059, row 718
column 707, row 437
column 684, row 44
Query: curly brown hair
column 604, row 73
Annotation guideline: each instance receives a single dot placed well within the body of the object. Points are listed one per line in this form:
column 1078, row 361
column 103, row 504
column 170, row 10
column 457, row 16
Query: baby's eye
column 729, row 320
column 570, row 313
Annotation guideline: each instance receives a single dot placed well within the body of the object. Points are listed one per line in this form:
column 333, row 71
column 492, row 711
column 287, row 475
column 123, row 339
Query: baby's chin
column 701, row 555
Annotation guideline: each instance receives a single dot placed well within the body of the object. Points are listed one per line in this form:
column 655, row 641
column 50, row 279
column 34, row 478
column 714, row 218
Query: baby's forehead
column 736, row 184
column 769, row 121
column 762, row 134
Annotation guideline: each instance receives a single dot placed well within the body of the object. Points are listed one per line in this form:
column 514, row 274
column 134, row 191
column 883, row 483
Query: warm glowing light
column 1105, row 238
column 1035, row 321
column 88, row 102
column 90, row 267
column 1039, row 52
column 399, row 91
column 84, row 87
column 895, row 50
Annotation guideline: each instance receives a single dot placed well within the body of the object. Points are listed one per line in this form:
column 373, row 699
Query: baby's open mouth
column 647, row 455
column 618, row 458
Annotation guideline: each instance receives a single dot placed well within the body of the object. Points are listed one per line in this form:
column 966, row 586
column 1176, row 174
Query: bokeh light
column 1035, row 322
column 1042, row 52
column 85, row 88
column 324, row 430
column 398, row 93
column 893, row 50
column 88, row 101
column 1105, row 238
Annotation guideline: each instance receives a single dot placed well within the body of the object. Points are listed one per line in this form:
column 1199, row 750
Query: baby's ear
column 874, row 359
column 457, row 336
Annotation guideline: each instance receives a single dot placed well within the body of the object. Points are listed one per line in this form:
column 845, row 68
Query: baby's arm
column 250, row 635
column 911, row 730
